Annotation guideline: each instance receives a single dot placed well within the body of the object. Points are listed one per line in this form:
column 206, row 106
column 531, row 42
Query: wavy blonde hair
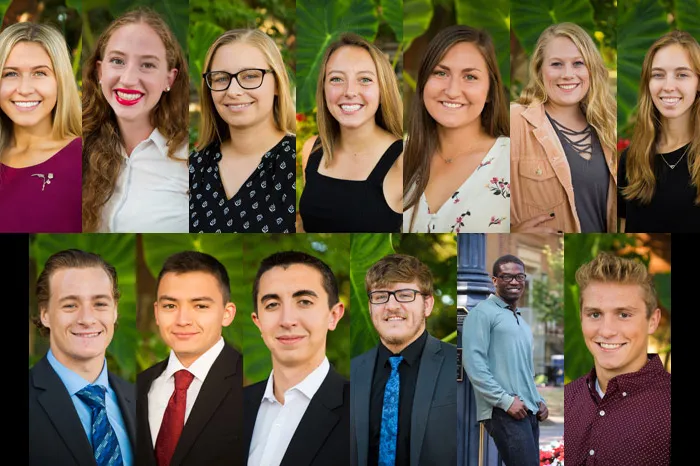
column 598, row 104
column 102, row 142
column 212, row 125
column 66, row 114
column 422, row 128
column 641, row 153
column 389, row 115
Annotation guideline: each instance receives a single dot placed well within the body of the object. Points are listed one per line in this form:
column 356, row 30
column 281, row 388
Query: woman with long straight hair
column 659, row 173
column 353, row 168
column 40, row 143
column 563, row 133
column 457, row 173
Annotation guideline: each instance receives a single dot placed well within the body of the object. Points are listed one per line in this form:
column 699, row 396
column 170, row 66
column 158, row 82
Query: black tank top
column 333, row 205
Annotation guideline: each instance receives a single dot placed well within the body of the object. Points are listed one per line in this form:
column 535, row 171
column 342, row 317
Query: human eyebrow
column 269, row 296
column 304, row 293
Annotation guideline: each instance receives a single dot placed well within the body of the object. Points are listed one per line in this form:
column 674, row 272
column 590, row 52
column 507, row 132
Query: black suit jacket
column 323, row 435
column 434, row 414
column 213, row 432
column 56, row 436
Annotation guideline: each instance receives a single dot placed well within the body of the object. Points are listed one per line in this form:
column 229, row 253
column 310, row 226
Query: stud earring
column 167, row 89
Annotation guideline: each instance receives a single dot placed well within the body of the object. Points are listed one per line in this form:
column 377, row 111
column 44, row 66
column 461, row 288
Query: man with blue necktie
column 79, row 413
column 403, row 391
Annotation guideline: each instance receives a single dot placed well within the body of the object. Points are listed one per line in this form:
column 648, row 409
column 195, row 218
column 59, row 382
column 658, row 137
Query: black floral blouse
column 264, row 203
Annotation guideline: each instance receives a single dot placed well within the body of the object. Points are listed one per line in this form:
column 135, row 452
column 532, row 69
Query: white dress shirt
column 480, row 205
column 151, row 194
column 163, row 386
column 276, row 423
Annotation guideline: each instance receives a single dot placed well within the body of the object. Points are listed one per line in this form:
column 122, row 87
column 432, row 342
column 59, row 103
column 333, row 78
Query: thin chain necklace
column 674, row 165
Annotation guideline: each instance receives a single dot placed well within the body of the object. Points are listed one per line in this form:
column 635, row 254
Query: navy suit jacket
column 213, row 432
column 434, row 412
column 56, row 436
column 322, row 437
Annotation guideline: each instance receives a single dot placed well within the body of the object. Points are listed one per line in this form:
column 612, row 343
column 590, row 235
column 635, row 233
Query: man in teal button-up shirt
column 497, row 345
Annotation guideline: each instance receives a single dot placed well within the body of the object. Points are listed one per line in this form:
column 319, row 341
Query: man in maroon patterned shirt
column 619, row 413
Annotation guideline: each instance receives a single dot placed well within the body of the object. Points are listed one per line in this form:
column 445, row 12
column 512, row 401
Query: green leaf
column 365, row 250
column 639, row 26
column 662, row 283
column 392, row 12
column 496, row 21
column 202, row 36
column 688, row 16
column 175, row 13
column 319, row 24
column 531, row 17
column 77, row 5
column 417, row 15
column 118, row 250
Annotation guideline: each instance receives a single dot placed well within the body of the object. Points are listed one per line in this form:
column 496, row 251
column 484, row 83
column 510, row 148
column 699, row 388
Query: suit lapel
column 359, row 404
column 58, row 405
column 319, row 420
column 215, row 387
column 430, row 364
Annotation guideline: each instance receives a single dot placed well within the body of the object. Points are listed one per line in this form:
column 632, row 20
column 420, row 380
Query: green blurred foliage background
column 640, row 24
column 582, row 248
column 320, row 23
column 65, row 15
column 211, row 18
column 138, row 258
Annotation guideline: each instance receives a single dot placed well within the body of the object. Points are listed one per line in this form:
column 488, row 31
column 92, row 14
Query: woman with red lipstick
column 457, row 174
column 135, row 104
column 353, row 168
column 243, row 173
column 659, row 173
column 562, row 161
column 40, row 144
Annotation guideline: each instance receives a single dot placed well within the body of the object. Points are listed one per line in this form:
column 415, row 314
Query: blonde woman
column 40, row 144
column 659, row 177
column 243, row 173
column 563, row 167
column 353, row 169
column 135, row 99
column 458, row 151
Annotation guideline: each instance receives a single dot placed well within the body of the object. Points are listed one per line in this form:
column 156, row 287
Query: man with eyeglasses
column 497, row 344
column 403, row 391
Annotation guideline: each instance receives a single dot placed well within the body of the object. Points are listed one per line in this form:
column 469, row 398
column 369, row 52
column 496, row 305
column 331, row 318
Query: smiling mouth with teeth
column 350, row 107
column 452, row 104
column 394, row 318
column 567, row 87
column 610, row 346
column 88, row 335
column 27, row 104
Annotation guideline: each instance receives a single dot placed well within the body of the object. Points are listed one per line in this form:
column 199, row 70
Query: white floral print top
column 480, row 205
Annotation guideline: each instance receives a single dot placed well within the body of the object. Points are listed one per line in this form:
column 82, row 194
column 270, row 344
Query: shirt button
column 591, row 452
column 624, row 393
column 602, row 413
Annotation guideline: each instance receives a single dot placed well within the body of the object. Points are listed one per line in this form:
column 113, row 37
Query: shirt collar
column 411, row 354
column 497, row 299
column 155, row 138
column 309, row 386
column 628, row 382
column 200, row 368
column 74, row 382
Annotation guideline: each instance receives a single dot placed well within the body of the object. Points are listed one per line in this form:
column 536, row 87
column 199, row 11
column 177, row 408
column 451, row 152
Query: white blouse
column 152, row 191
column 480, row 205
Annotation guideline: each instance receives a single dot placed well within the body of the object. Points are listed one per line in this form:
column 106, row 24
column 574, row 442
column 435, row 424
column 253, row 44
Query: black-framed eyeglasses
column 251, row 78
column 401, row 296
column 506, row 277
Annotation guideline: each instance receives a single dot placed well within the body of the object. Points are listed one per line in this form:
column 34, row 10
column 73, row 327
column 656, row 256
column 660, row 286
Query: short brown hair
column 69, row 259
column 609, row 268
column 396, row 268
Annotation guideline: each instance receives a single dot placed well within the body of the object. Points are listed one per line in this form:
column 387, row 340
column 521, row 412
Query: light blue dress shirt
column 497, row 354
column 74, row 383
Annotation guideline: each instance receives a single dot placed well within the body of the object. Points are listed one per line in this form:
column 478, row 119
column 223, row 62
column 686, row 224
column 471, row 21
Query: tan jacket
column 540, row 177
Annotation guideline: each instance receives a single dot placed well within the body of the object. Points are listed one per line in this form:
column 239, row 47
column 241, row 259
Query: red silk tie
column 173, row 419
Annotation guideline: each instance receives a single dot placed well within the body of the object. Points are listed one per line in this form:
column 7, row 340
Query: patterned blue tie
column 104, row 441
column 390, row 416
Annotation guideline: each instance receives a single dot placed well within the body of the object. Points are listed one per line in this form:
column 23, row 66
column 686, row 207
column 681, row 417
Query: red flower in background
column 622, row 144
column 300, row 117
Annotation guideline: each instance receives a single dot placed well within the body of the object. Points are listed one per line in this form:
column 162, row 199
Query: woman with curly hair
column 40, row 144
column 135, row 125
column 563, row 159
column 659, row 177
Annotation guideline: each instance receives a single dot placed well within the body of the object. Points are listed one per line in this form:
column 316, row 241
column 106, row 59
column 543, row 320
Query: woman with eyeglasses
column 243, row 173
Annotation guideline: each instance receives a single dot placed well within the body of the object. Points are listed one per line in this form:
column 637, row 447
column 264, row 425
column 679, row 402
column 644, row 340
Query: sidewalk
column 553, row 428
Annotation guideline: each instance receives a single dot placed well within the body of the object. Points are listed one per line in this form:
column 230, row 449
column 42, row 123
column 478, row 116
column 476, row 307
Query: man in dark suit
column 189, row 405
column 300, row 415
column 80, row 414
column 404, row 390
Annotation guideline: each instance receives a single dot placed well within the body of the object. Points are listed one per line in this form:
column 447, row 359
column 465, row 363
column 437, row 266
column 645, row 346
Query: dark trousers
column 518, row 441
